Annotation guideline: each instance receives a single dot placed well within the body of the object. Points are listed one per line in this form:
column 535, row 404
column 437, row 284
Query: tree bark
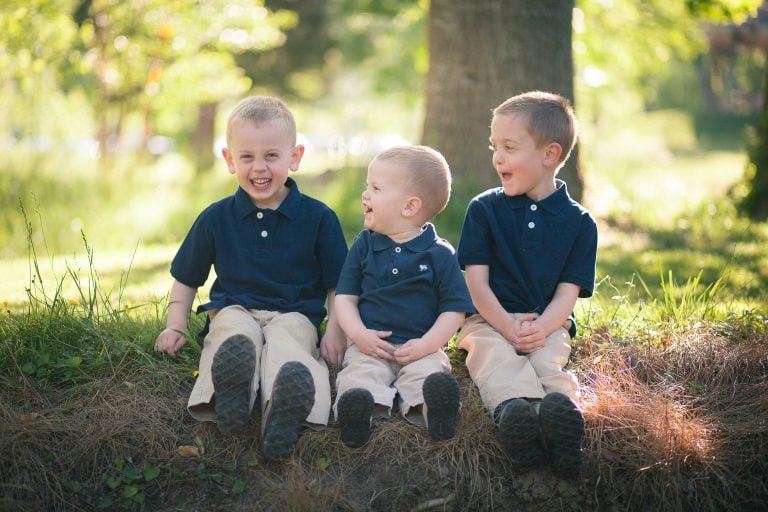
column 481, row 53
column 203, row 138
column 755, row 203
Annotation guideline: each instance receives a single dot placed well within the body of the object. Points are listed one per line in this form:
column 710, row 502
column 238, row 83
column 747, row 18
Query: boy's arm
column 172, row 338
column 533, row 334
column 487, row 304
column 434, row 339
column 333, row 344
column 368, row 341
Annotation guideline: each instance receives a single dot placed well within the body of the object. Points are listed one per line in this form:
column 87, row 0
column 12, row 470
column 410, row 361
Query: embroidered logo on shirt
column 423, row 268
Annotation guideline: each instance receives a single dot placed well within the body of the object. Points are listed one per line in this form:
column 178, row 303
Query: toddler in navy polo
column 277, row 254
column 400, row 298
column 529, row 252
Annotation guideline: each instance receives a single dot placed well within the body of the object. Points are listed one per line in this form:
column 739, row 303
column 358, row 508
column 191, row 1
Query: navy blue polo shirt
column 282, row 260
column 530, row 246
column 404, row 287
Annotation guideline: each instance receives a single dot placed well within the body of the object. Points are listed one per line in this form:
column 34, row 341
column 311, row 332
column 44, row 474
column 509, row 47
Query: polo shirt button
column 260, row 215
column 534, row 207
column 531, row 225
column 394, row 271
column 264, row 234
column 398, row 249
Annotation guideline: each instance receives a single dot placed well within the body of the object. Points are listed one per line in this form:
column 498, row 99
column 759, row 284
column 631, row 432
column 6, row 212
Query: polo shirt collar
column 424, row 241
column 288, row 208
column 553, row 203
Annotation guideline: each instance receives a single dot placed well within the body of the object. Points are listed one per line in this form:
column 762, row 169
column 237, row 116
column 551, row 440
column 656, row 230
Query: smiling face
column 522, row 165
column 386, row 202
column 261, row 155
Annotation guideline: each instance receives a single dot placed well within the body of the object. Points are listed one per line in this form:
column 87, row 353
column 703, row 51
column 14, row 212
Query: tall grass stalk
column 682, row 305
column 68, row 336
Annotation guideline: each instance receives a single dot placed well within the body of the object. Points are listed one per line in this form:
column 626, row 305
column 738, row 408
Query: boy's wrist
column 174, row 329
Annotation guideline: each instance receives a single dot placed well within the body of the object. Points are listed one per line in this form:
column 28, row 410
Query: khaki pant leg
column 224, row 323
column 549, row 362
column 367, row 372
column 293, row 337
column 410, row 382
column 494, row 365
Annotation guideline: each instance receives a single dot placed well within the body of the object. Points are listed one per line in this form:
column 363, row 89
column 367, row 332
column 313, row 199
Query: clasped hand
column 526, row 335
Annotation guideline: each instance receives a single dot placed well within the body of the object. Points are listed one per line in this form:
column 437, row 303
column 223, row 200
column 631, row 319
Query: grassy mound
column 677, row 424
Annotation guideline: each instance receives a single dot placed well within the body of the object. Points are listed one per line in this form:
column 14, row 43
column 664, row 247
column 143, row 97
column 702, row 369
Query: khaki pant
column 278, row 339
column 387, row 379
column 500, row 373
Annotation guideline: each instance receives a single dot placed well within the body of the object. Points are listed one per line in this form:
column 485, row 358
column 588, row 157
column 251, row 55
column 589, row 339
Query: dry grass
column 676, row 428
column 683, row 428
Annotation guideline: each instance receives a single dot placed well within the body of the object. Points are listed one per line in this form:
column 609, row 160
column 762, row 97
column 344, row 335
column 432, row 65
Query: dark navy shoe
column 442, row 403
column 562, row 426
column 355, row 416
column 232, row 371
column 519, row 433
column 293, row 397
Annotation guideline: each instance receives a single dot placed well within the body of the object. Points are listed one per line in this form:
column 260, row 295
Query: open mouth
column 261, row 181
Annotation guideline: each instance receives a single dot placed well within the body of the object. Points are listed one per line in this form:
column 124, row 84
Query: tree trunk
column 481, row 53
column 755, row 204
column 204, row 135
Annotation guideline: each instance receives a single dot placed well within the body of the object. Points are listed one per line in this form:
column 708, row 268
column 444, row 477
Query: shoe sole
column 355, row 411
column 292, row 399
column 232, row 371
column 519, row 432
column 562, row 425
column 443, row 402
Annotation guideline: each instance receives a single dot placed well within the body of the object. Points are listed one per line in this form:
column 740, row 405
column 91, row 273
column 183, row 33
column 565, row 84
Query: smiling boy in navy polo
column 529, row 252
column 400, row 298
column 277, row 254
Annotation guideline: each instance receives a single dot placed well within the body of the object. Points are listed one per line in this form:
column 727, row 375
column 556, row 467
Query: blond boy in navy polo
column 529, row 252
column 277, row 254
column 400, row 298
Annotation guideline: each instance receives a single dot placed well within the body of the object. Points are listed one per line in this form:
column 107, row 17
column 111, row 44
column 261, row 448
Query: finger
column 383, row 354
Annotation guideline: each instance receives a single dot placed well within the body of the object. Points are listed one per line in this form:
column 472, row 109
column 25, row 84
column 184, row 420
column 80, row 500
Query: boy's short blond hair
column 550, row 118
column 427, row 175
column 262, row 109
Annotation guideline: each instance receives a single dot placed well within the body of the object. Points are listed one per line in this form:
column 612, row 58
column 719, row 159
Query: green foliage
column 127, row 485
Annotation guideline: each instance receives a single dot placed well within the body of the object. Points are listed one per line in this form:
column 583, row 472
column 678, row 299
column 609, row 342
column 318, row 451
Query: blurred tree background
column 114, row 110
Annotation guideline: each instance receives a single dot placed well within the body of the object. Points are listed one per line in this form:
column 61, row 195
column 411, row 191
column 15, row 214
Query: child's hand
column 372, row 343
column 332, row 348
column 410, row 351
column 530, row 337
column 170, row 341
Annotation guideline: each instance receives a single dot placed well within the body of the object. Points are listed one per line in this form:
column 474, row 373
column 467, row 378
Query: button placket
column 397, row 251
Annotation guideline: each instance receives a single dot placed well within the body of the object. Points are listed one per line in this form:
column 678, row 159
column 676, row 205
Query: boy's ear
column 228, row 158
column 298, row 152
column 552, row 153
column 412, row 206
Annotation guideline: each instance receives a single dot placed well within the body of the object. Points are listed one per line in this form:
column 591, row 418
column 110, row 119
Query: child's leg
column 410, row 384
column 494, row 365
column 362, row 385
column 367, row 372
column 549, row 361
column 228, row 366
column 292, row 337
